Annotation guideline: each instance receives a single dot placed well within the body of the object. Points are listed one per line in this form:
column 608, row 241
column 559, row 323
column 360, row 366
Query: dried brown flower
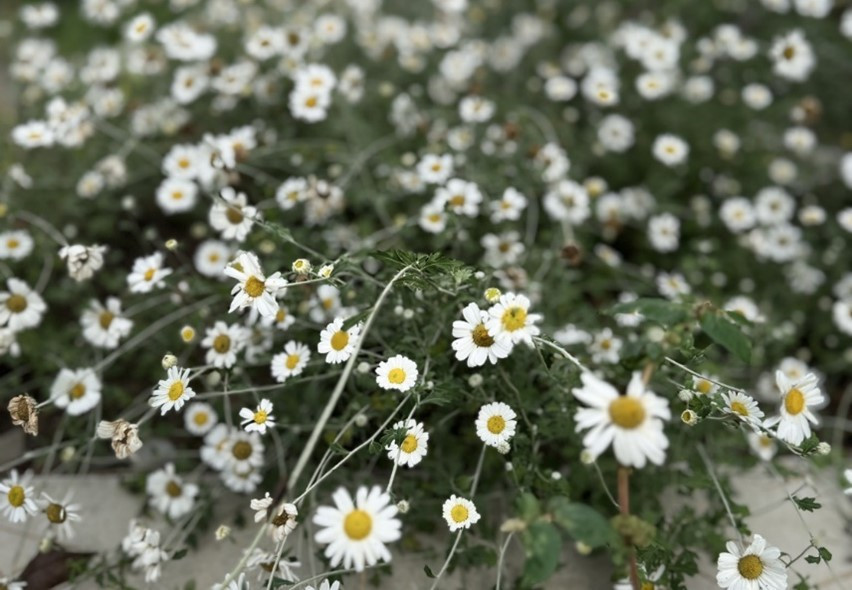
column 24, row 413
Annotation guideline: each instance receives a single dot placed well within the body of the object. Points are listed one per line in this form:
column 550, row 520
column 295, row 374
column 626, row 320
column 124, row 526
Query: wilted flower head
column 83, row 261
column 124, row 435
column 24, row 413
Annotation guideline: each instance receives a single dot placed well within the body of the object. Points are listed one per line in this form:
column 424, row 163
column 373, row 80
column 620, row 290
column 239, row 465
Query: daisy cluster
column 380, row 266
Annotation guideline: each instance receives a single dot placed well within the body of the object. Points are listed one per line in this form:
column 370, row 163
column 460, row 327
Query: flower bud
column 586, row 457
column 301, row 266
column 823, row 448
column 689, row 417
column 169, row 361
column 222, row 532
column 492, row 295
column 403, row 506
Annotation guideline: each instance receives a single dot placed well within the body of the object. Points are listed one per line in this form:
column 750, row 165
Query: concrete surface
column 107, row 507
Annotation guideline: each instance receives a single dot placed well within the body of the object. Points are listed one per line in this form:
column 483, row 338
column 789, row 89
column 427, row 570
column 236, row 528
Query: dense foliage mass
column 545, row 272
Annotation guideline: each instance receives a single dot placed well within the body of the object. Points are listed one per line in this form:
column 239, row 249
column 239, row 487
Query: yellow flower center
column 241, row 450
column 105, row 319
column 627, row 412
column 750, row 567
column 339, row 340
column 175, row 390
column 280, row 315
column 149, row 274
column 514, row 318
column 234, row 215
column 173, row 489
column 704, row 386
column 327, row 303
column 17, row 496
column 200, row 418
column 396, row 376
column 177, row 195
column 409, row 445
column 794, row 402
column 435, row 217
column 789, row 52
column 496, row 424
column 311, row 102
column 357, row 524
column 291, row 361
column 254, row 286
column 260, row 417
column 222, row 343
column 459, row 513
column 481, row 337
column 739, row 408
column 55, row 513
column 457, row 200
column 78, row 391
column 16, row 303
column 12, row 243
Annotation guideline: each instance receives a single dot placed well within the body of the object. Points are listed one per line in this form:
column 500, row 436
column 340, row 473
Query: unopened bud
column 222, row 532
column 582, row 548
column 586, row 457
column 689, row 417
column 492, row 295
column 301, row 266
column 169, row 361
column 403, row 506
column 823, row 448
column 187, row 334
column 171, row 245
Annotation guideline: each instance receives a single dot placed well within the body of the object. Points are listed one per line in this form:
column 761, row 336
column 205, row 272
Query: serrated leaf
column 727, row 334
column 807, row 504
column 662, row 311
column 582, row 522
column 543, row 546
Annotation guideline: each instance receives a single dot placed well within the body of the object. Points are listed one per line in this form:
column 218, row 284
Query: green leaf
column 428, row 571
column 543, row 547
column 660, row 311
column 727, row 334
column 528, row 507
column 179, row 555
column 582, row 522
column 807, row 504
column 824, row 553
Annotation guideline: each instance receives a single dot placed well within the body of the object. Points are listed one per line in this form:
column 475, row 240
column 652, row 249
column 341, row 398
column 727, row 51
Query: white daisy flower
column 670, row 149
column 77, row 390
column 223, row 343
column 704, row 386
column 259, row 419
column 211, row 257
column 762, row 445
column 148, row 272
column 509, row 207
column 243, row 452
column 60, row 515
column 474, row 342
column 459, row 513
column 168, row 492
column 291, row 192
column 233, row 217
column 631, row 423
column 254, row 289
column 795, row 419
column 282, row 319
column 15, row 245
column 510, row 315
column 83, row 261
column 173, row 391
column 743, row 407
column 605, row 347
column 495, row 424
column 103, row 325
column 291, row 362
column 175, row 195
column 20, row 306
column 199, row 418
column 461, row 197
column 336, row 343
column 758, row 566
column 398, row 372
column 413, row 447
column 434, row 169
column 355, row 532
column 19, row 504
